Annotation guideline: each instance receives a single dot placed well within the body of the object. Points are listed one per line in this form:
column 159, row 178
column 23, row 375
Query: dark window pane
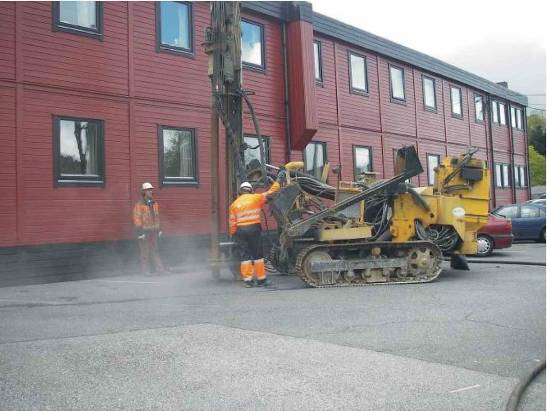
column 175, row 25
column 529, row 212
column 479, row 111
column 509, row 212
column 499, row 178
column 253, row 151
column 429, row 93
column 432, row 163
column 495, row 115
column 314, row 159
column 362, row 160
column 178, row 154
column 502, row 113
column 397, row 83
column 519, row 119
column 251, row 43
column 358, row 72
column 79, row 148
column 513, row 118
column 78, row 13
column 455, row 98
column 317, row 60
column 506, row 181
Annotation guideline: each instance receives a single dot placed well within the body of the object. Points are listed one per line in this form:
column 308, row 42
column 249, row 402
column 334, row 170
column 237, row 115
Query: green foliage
column 536, row 132
column 537, row 167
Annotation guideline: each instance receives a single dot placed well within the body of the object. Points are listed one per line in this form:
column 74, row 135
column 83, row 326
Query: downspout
column 510, row 125
column 286, row 85
column 525, row 126
column 488, row 112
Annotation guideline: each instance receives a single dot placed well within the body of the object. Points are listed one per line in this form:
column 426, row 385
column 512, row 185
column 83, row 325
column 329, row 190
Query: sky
column 499, row 40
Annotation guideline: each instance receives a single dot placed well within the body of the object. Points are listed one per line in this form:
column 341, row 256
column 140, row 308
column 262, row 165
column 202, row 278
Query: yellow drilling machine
column 356, row 233
column 384, row 232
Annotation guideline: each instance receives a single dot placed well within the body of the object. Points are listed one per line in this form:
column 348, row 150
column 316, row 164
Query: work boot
column 262, row 283
column 248, row 284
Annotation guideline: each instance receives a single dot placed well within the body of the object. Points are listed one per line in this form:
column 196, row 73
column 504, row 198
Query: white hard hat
column 147, row 186
column 246, row 186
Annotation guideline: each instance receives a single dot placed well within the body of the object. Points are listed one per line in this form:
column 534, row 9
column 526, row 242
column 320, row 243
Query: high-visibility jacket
column 146, row 217
column 245, row 210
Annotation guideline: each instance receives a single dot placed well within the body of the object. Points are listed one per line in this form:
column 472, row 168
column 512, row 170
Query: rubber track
column 305, row 251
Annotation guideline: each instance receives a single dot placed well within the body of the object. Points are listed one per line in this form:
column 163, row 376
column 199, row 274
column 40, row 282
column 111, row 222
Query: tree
column 536, row 132
column 537, row 166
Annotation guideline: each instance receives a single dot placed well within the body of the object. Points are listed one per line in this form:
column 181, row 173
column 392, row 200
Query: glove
column 142, row 236
column 281, row 176
column 160, row 233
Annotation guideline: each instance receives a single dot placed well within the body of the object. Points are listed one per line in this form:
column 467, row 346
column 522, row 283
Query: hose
column 516, row 395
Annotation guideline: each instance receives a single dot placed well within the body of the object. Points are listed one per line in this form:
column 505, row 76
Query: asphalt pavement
column 187, row 341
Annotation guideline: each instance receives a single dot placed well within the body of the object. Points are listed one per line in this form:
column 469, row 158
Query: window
column 479, row 110
column 397, row 83
column 315, row 157
column 174, row 26
column 456, row 101
column 516, row 176
column 506, row 181
column 430, row 101
column 317, row 58
column 362, row 160
column 508, row 212
column 499, row 176
column 433, row 161
column 80, row 17
column 177, row 156
column 78, row 151
column 495, row 115
column 252, row 44
column 252, row 152
column 520, row 176
column 502, row 114
column 358, row 73
column 529, row 212
column 522, row 173
column 513, row 118
column 519, row 119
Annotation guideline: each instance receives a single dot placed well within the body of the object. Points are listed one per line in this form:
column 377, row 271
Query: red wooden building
column 96, row 98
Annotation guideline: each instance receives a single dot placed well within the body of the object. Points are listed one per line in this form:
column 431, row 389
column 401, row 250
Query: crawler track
column 368, row 263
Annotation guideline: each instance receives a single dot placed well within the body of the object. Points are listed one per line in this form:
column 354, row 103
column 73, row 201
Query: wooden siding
column 7, row 40
column 134, row 88
column 326, row 92
column 302, row 100
column 357, row 110
column 72, row 61
column 8, row 171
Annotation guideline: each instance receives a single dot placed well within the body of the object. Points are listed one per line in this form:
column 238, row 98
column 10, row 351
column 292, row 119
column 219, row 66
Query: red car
column 496, row 234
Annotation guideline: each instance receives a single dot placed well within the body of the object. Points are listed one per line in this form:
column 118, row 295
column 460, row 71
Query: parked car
column 528, row 220
column 540, row 201
column 494, row 235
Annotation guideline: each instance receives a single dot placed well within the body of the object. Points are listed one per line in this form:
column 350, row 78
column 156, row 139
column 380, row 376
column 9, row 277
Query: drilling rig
column 385, row 231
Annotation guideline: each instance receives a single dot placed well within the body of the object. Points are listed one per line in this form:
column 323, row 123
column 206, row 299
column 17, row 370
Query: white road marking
column 464, row 389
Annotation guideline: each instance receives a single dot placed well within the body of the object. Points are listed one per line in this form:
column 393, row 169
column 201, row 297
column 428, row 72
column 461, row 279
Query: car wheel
column 485, row 245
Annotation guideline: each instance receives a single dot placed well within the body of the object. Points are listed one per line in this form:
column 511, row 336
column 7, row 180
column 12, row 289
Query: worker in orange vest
column 245, row 224
column 146, row 218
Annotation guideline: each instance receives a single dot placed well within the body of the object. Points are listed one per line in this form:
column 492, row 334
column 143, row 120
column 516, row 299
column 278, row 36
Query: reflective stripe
column 249, row 218
column 242, row 214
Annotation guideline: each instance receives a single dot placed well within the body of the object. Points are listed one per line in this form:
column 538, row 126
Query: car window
column 509, row 212
column 541, row 212
column 529, row 212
